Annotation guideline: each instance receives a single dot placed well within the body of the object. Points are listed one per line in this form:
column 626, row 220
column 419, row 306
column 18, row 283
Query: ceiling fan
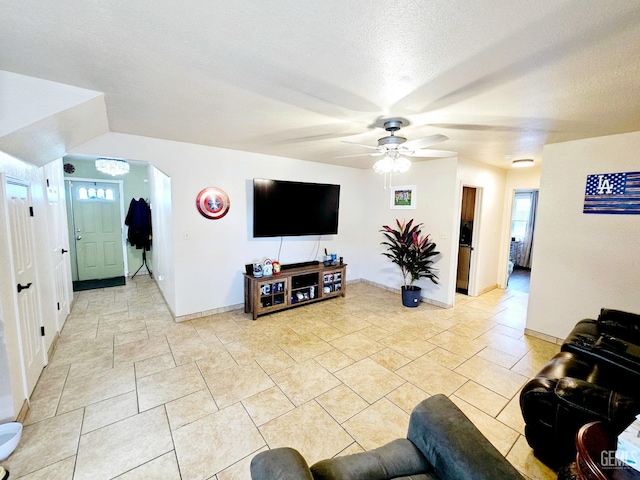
column 394, row 149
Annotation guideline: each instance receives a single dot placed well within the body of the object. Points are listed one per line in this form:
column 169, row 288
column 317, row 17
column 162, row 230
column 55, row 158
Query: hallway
column 519, row 280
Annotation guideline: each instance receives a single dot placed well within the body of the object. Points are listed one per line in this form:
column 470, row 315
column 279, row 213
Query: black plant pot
column 411, row 296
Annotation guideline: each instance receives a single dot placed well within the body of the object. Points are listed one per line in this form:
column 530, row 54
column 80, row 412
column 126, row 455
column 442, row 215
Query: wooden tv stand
column 293, row 287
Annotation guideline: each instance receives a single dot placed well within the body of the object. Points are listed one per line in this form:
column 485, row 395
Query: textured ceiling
column 295, row 77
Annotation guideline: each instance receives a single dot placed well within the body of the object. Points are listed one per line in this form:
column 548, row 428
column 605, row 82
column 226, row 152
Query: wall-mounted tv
column 282, row 208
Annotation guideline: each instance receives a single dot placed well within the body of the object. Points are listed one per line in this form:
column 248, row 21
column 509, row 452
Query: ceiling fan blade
column 428, row 153
column 360, row 144
column 425, row 141
column 376, row 154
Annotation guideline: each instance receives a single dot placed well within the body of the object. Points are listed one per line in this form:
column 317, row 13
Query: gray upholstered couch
column 442, row 443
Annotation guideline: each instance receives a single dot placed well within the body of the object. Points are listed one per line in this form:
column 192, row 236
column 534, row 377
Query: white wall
column 582, row 262
column 162, row 221
column 523, row 179
column 209, row 264
column 436, row 209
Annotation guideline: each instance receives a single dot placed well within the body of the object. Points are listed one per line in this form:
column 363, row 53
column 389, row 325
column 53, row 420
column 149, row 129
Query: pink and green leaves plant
column 412, row 251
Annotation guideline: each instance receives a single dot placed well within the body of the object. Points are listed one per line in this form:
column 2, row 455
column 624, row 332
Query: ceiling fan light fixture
column 523, row 162
column 112, row 166
column 384, row 165
column 401, row 165
column 395, row 148
column 392, row 163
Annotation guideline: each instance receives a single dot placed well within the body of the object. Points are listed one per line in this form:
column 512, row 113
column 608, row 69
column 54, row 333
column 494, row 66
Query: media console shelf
column 293, row 287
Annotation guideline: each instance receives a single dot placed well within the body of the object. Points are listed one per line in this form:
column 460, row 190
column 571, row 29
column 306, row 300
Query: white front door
column 98, row 230
column 23, row 256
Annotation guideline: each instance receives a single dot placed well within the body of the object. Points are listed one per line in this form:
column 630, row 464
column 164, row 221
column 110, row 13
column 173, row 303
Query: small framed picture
column 403, row 197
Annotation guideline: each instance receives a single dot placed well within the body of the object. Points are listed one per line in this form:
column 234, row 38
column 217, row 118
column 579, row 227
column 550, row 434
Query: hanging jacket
column 139, row 222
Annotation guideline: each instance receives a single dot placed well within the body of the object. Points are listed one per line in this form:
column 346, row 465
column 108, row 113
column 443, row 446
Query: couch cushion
column 621, row 324
column 397, row 459
column 453, row 445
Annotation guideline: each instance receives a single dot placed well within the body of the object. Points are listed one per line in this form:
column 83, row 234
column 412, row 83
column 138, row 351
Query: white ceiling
column 295, row 77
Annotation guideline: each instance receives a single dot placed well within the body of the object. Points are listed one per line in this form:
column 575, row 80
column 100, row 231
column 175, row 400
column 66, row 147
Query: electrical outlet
column 443, row 236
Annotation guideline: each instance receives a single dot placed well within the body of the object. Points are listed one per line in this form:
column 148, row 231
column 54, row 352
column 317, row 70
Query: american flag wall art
column 617, row 193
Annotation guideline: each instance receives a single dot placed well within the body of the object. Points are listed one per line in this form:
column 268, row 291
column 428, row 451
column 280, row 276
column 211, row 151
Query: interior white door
column 98, row 230
column 59, row 240
column 23, row 256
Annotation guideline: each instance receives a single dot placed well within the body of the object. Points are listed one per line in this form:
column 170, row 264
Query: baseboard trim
column 543, row 336
column 487, row 290
column 52, row 347
column 193, row 316
column 423, row 299
column 24, row 411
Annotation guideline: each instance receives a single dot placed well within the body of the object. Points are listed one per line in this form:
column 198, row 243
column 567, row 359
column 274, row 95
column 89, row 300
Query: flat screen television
column 282, row 208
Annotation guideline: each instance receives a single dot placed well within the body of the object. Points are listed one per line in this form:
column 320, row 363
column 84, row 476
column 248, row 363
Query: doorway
column 465, row 244
column 523, row 224
column 96, row 233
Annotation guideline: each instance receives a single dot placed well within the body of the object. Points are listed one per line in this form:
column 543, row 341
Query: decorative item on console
column 257, row 269
column 267, row 268
column 330, row 258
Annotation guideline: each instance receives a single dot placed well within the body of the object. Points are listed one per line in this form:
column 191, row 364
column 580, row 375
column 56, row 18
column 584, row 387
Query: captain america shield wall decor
column 212, row 203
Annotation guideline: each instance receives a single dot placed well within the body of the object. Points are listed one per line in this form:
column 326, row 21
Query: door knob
column 64, row 251
column 79, row 237
column 23, row 287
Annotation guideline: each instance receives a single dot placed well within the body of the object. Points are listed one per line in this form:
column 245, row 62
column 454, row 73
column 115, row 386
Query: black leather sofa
column 596, row 376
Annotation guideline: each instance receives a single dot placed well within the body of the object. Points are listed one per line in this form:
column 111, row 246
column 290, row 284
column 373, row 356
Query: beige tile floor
column 130, row 394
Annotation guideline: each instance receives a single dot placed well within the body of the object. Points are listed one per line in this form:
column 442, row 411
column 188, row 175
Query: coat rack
column 144, row 264
column 139, row 222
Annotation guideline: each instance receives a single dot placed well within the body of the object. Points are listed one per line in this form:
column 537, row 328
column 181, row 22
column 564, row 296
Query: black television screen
column 282, row 208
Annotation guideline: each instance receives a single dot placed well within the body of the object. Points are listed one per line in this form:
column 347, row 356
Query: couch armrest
column 399, row 458
column 596, row 402
column 280, row 464
column 453, row 445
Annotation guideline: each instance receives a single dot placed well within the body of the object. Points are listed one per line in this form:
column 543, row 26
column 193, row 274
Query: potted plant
column 413, row 253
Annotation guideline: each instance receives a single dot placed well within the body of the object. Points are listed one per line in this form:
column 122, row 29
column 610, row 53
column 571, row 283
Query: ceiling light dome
column 523, row 162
